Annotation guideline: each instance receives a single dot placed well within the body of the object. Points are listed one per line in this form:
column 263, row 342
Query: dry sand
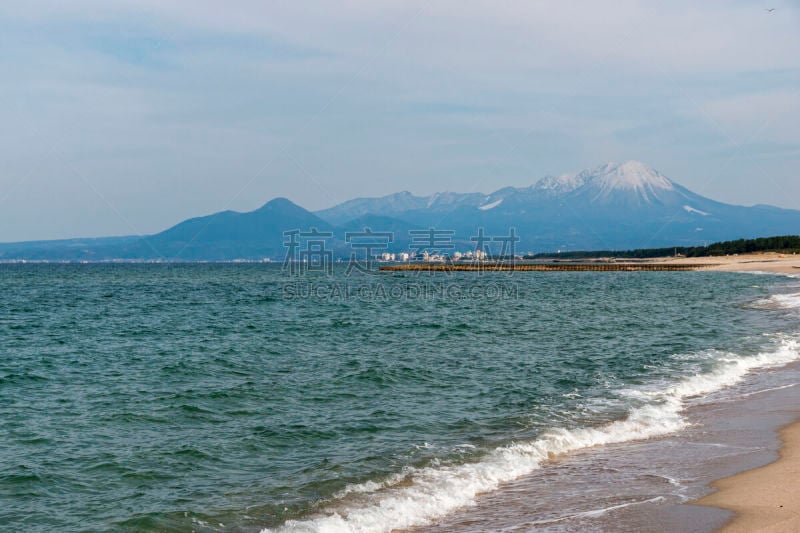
column 767, row 261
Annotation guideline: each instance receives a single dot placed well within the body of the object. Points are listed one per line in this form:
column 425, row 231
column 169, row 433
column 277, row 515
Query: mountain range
column 615, row 206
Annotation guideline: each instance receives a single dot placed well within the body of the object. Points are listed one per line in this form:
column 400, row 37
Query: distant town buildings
column 428, row 257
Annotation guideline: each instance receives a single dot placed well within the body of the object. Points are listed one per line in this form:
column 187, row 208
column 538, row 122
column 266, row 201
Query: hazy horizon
column 127, row 119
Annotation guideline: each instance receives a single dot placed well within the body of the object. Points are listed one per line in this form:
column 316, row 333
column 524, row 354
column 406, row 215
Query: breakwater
column 546, row 267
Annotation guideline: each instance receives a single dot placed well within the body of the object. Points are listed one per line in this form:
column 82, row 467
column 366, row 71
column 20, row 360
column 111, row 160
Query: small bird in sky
column 770, row 10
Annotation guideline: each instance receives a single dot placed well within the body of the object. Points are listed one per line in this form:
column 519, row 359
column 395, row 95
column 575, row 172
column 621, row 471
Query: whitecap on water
column 779, row 301
column 428, row 493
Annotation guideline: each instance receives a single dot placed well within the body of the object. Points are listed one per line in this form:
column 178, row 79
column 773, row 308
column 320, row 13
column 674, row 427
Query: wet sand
column 650, row 485
column 767, row 498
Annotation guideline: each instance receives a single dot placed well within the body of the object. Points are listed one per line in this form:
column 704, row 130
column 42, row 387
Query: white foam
column 767, row 273
column 780, row 301
column 596, row 512
column 432, row 492
column 787, row 301
column 756, row 392
column 771, row 389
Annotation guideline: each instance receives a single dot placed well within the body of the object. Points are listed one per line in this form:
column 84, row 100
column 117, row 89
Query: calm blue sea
column 235, row 398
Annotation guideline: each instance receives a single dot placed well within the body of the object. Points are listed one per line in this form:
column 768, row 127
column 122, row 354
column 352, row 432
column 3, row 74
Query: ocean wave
column 418, row 496
column 428, row 493
column 768, row 273
column 779, row 301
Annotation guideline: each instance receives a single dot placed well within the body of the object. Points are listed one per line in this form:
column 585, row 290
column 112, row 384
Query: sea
column 242, row 397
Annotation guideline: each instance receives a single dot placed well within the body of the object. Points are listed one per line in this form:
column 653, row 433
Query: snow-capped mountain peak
column 630, row 183
column 560, row 184
column 630, row 175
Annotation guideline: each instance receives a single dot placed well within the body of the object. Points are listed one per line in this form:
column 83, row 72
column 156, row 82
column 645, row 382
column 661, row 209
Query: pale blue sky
column 126, row 117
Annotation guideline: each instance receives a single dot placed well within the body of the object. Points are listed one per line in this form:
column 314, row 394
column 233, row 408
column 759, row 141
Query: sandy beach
column 766, row 498
column 767, row 262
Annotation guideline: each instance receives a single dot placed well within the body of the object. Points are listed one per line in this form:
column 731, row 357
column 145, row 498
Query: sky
column 126, row 117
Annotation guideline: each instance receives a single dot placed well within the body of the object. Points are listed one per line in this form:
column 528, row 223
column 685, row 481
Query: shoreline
column 755, row 262
column 657, row 482
column 720, row 497
column 766, row 498
column 547, row 267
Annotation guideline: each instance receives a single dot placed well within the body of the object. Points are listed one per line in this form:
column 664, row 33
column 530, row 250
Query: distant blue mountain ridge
column 617, row 206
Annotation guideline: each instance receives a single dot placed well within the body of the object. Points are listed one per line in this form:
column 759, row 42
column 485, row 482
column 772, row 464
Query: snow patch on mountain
column 560, row 184
column 690, row 209
column 491, row 205
column 442, row 199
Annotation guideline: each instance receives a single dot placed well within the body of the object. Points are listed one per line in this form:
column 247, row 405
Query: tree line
column 782, row 244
